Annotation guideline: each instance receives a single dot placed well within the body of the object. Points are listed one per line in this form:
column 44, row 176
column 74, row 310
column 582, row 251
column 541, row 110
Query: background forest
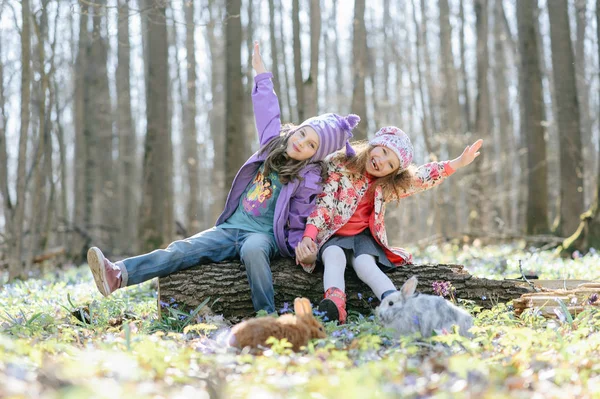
column 122, row 123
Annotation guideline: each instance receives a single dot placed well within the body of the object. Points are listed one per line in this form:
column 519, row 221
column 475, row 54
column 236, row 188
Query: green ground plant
column 60, row 339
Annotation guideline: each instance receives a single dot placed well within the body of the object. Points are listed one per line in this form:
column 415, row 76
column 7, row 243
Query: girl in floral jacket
column 348, row 222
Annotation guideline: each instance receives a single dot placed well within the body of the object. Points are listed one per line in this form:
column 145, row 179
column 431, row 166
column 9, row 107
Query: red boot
column 334, row 305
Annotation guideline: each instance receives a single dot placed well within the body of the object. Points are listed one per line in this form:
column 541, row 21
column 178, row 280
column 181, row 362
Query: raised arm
column 431, row 174
column 264, row 99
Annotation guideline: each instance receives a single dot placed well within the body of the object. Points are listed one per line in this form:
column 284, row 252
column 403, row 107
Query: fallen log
column 576, row 300
column 227, row 284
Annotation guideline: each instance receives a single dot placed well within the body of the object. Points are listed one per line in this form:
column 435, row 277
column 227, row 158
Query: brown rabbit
column 298, row 329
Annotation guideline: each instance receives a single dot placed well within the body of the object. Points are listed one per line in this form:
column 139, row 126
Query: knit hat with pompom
column 334, row 131
column 396, row 140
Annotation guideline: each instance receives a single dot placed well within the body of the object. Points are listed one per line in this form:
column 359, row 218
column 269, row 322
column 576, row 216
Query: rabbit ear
column 409, row 287
column 302, row 307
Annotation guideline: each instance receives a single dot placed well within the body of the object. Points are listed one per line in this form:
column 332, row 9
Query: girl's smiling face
column 382, row 161
column 303, row 143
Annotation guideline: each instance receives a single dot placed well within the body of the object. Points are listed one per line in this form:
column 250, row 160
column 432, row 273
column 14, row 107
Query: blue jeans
column 214, row 245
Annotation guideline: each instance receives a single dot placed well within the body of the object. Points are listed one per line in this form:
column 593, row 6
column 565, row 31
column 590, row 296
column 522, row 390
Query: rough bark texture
column 156, row 212
column 532, row 115
column 235, row 146
column 297, row 47
column 359, row 69
column 227, row 283
column 311, row 85
column 127, row 137
column 571, row 160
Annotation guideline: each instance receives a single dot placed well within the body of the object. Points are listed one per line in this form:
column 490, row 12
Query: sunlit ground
column 122, row 350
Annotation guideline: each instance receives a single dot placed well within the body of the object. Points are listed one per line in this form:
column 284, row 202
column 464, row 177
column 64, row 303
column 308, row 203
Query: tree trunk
column 427, row 68
column 463, row 68
column 156, row 212
column 589, row 151
column 226, row 283
column 359, row 69
column 235, row 148
column 297, row 45
column 7, row 205
column 78, row 244
column 192, row 163
column 532, row 116
column 571, row 161
column 482, row 215
column 311, row 85
column 217, row 111
column 100, row 116
column 286, row 76
column 587, row 234
column 504, row 128
column 15, row 267
column 275, row 63
column 127, row 138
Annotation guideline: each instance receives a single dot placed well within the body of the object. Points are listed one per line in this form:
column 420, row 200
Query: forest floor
column 119, row 348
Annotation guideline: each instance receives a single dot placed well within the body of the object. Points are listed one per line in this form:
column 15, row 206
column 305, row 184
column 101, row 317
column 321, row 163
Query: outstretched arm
column 431, row 174
column 264, row 99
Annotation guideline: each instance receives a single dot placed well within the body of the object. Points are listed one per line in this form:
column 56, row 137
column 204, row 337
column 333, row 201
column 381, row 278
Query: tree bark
column 192, row 163
column 463, row 68
column 571, row 161
column 217, row 112
column 359, row 69
column 587, row 234
column 100, row 116
column 297, row 46
column 532, row 116
column 483, row 210
column 235, row 148
column 156, row 212
column 311, row 85
column 226, row 283
column 286, row 76
column 7, row 205
column 127, row 139
column 15, row 267
column 274, row 50
column 589, row 151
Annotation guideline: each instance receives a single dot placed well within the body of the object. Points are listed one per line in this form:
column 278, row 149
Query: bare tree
column 463, row 68
column 235, row 153
column 192, row 165
column 216, row 114
column 504, row 127
column 426, row 118
column 274, row 49
column 532, row 116
column 7, row 206
column 126, row 132
column 571, row 161
column 359, row 68
column 156, row 212
column 286, row 76
column 19, row 216
column 311, row 85
column 589, row 152
column 298, row 60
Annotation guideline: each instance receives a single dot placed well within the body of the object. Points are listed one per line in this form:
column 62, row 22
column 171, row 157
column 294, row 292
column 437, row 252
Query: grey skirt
column 360, row 244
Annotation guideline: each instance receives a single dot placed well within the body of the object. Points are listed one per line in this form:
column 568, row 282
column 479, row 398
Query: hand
column 257, row 62
column 306, row 251
column 469, row 154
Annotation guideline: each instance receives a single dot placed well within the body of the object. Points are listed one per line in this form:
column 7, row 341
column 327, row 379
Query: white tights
column 334, row 261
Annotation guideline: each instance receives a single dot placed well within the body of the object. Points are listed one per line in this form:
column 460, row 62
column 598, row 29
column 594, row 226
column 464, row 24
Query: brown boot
column 334, row 305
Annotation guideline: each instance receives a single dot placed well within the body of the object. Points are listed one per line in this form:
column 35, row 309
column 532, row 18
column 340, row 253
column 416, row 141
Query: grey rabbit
column 408, row 312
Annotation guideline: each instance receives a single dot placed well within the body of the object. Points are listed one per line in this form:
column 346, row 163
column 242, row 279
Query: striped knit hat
column 334, row 131
column 396, row 140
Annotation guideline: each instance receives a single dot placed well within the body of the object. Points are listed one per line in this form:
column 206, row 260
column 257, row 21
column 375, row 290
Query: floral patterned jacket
column 343, row 191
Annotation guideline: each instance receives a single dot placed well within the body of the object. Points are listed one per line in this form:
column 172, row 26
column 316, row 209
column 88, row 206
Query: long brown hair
column 393, row 185
column 278, row 160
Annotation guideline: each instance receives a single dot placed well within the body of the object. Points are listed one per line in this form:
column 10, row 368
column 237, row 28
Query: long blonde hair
column 278, row 160
column 393, row 185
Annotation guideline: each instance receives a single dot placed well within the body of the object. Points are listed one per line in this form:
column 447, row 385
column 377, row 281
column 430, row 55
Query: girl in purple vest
column 266, row 209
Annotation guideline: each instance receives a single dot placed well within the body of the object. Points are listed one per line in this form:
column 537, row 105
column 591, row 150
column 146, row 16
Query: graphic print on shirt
column 258, row 195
